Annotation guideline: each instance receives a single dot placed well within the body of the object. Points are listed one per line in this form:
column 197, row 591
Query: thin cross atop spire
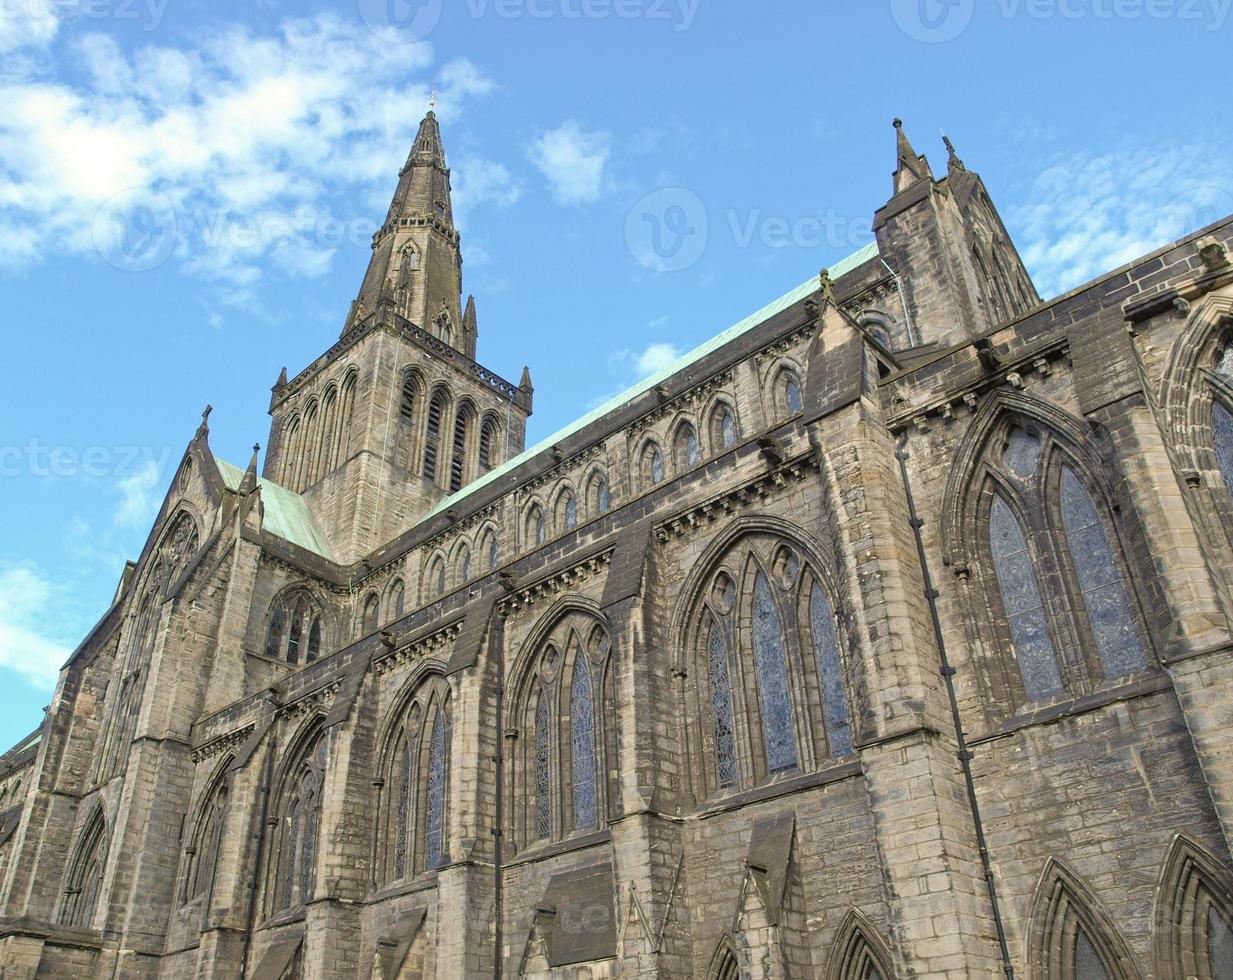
column 432, row 102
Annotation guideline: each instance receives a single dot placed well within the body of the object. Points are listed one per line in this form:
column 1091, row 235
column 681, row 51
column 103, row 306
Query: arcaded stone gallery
column 888, row 634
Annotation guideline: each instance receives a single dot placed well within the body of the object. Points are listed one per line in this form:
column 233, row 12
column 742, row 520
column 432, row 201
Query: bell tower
column 398, row 415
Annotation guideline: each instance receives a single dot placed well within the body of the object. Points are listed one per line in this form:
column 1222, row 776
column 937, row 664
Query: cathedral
column 888, row 634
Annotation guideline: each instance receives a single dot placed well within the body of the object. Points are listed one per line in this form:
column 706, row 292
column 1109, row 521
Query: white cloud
column 573, row 160
column 138, row 497
column 481, row 181
column 1093, row 212
column 655, row 358
column 239, row 148
column 25, row 647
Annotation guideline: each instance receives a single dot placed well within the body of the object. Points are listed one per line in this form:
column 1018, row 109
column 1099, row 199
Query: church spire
column 910, row 166
column 416, row 264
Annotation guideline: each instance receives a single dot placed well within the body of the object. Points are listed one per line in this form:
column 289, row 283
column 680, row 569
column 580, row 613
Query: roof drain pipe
column 498, row 830
column 250, row 918
column 948, row 674
column 903, row 302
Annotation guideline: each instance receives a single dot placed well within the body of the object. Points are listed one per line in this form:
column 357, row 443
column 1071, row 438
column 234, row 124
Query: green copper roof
column 286, row 513
column 804, row 291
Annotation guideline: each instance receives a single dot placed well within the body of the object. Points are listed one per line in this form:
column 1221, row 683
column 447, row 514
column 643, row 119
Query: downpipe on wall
column 251, row 918
column 948, row 674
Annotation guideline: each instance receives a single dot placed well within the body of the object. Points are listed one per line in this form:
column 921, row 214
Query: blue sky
column 255, row 145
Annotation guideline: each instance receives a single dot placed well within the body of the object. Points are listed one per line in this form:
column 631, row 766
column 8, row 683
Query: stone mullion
column 1189, row 626
column 940, row 911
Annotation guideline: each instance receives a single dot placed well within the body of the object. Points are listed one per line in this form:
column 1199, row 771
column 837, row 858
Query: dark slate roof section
column 583, row 917
column 628, row 563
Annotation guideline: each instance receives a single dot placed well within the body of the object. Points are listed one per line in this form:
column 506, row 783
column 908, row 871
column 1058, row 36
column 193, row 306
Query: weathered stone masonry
column 888, row 635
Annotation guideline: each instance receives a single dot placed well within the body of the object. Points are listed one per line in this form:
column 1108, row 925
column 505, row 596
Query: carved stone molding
column 220, row 744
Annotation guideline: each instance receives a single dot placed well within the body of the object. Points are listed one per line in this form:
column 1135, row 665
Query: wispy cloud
column 235, row 156
column 26, row 648
column 1093, row 212
column 573, row 160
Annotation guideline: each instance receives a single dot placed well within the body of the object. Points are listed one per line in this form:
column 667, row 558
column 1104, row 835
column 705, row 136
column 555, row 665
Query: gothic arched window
column 408, row 413
column 768, row 691
column 432, row 436
column 652, row 465
column 1062, row 582
column 397, row 602
column 567, row 511
column 464, row 564
column 565, row 749
column 434, row 581
column 415, row 806
column 458, row 460
column 203, row 850
column 1070, row 934
column 84, row 879
column 788, row 393
column 490, row 550
column 723, row 428
column 295, row 629
column 1194, row 914
column 535, row 526
column 1221, row 389
column 294, row 858
column 598, row 500
column 372, row 615
column 488, row 444
column 688, row 451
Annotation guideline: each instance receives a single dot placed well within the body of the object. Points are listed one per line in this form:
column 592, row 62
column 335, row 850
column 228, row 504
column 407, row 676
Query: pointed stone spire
column 953, row 163
column 470, row 326
column 910, row 166
column 525, row 383
column 282, row 379
column 416, row 264
column 249, row 483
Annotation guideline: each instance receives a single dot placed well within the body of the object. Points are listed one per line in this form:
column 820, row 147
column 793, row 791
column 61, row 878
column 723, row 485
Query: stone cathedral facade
column 886, row 635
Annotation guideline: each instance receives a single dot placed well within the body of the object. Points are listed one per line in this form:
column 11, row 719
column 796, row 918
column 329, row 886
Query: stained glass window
column 434, row 818
column 727, row 428
column 1225, row 365
column 582, row 745
column 721, row 706
column 297, row 628
column 308, row 856
column 830, row 674
column 657, row 465
column 1025, row 612
column 440, row 577
column 543, row 769
column 1100, row 581
column 293, row 836
column 1219, row 944
column 1022, row 453
column 792, row 394
column 571, row 512
column 687, row 448
column 536, row 526
column 603, row 495
column 1088, row 964
column 403, row 789
column 1222, row 435
column 314, row 641
column 770, row 661
column 493, row 553
column 466, row 566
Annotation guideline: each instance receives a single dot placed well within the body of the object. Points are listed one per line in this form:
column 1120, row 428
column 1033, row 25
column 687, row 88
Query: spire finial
column 953, row 161
column 432, row 101
column 910, row 166
column 204, row 428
